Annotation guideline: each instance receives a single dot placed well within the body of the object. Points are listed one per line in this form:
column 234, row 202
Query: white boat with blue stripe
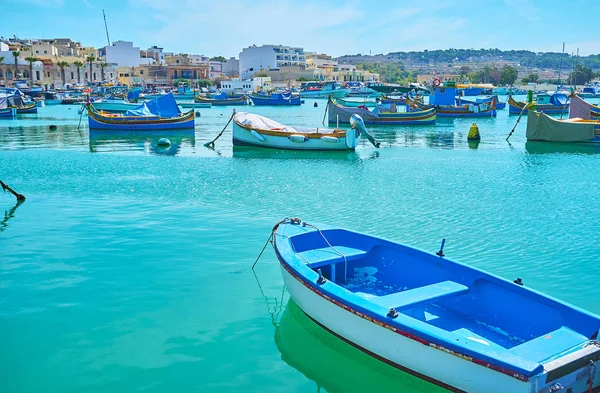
column 453, row 325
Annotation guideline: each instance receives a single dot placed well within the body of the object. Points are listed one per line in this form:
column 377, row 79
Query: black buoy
column 316, row 105
column 52, row 127
column 518, row 281
column 197, row 114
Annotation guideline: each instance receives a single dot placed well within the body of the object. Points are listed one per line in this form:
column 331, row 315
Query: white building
column 124, row 54
column 254, row 84
column 156, row 53
column 3, row 47
column 44, row 48
column 268, row 57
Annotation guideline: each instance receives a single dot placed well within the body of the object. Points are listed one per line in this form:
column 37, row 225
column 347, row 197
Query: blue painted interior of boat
column 451, row 304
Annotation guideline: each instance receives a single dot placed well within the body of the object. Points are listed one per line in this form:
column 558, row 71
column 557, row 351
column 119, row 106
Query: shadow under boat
column 533, row 147
column 335, row 365
column 148, row 141
column 248, row 152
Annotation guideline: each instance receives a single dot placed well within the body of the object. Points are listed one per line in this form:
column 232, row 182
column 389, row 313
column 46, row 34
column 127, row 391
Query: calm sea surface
column 128, row 266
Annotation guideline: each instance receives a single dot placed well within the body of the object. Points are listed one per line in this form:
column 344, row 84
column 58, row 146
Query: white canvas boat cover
column 541, row 127
column 262, row 123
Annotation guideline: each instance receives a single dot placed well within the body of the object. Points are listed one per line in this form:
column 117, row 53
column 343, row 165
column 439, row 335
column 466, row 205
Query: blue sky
column 336, row 27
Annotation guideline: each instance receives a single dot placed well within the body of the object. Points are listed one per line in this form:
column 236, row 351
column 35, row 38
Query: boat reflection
column 335, row 365
column 561, row 148
column 8, row 215
column 145, row 141
column 255, row 152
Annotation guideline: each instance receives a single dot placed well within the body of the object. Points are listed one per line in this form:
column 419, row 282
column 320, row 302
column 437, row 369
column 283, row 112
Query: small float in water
column 448, row 323
column 254, row 130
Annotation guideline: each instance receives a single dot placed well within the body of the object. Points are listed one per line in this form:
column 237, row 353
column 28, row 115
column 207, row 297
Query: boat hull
column 516, row 108
column 268, row 101
column 337, row 113
column 8, row 113
column 324, row 93
column 131, row 123
column 248, row 137
column 27, row 109
column 221, row 102
column 410, row 355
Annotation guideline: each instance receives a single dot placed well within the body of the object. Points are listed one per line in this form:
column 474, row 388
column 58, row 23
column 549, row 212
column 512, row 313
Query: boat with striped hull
column 337, row 113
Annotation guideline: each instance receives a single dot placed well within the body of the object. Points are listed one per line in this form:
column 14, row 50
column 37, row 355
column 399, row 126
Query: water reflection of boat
column 334, row 364
column 252, row 153
column 147, row 141
column 533, row 147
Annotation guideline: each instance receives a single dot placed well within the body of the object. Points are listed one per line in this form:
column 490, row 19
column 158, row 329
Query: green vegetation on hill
column 525, row 58
column 391, row 72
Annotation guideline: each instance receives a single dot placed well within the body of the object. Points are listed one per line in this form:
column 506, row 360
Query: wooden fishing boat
column 221, row 100
column 115, row 105
column 541, row 127
column 158, row 114
column 444, row 100
column 275, row 99
column 389, row 88
column 548, row 103
column 323, row 90
column 448, row 323
column 254, row 130
column 382, row 114
column 195, row 104
column 26, row 108
column 356, row 103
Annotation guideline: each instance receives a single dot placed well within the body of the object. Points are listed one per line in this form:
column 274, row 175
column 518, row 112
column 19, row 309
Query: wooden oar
column 5, row 187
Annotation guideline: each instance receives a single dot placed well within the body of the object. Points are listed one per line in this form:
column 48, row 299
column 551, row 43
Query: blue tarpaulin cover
column 558, row 99
column 133, row 94
column 163, row 106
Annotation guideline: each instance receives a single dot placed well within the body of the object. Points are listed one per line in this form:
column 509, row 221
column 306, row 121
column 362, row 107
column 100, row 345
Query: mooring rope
column 212, row 143
column 5, row 187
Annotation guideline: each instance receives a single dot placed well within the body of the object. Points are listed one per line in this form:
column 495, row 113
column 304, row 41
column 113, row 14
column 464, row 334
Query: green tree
column 509, row 75
column 204, row 83
column 581, row 75
column 16, row 56
column 218, row 58
column 102, row 65
column 31, row 60
column 90, row 59
column 62, row 65
column 78, row 64
column 531, row 78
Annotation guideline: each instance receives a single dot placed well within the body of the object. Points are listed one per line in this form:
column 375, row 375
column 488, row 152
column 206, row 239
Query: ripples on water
column 128, row 266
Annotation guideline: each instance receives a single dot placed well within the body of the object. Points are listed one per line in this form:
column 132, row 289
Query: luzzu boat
column 275, row 99
column 6, row 111
column 453, row 325
column 221, row 100
column 253, row 130
column 382, row 114
column 323, row 90
column 357, row 102
column 541, row 127
column 555, row 103
column 158, row 114
column 15, row 99
column 445, row 103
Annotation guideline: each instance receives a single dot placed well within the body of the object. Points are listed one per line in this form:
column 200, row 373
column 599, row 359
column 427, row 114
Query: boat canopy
column 541, row 127
column 163, row 106
column 579, row 108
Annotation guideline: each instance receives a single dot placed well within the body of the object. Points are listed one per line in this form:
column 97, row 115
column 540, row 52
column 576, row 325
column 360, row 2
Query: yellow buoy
column 474, row 133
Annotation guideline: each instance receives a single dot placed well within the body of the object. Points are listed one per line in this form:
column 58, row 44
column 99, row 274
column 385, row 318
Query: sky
column 335, row 27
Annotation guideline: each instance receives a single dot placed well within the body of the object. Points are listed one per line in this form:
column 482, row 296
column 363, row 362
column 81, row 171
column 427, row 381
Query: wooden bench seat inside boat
column 326, row 256
column 543, row 347
column 421, row 295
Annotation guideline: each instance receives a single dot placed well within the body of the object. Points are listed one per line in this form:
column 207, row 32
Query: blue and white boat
column 448, row 323
column 6, row 111
column 114, row 104
column 158, row 114
column 275, row 99
column 590, row 91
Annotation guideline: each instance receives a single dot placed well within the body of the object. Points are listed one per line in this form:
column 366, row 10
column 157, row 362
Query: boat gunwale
column 415, row 333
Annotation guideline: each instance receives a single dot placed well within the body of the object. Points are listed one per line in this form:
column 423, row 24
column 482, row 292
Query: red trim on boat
column 411, row 336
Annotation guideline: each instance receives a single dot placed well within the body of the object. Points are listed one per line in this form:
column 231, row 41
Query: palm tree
column 16, row 54
column 78, row 64
column 62, row 65
column 31, row 59
column 90, row 59
column 102, row 67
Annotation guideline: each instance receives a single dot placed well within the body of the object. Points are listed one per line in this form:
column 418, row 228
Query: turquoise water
column 128, row 266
